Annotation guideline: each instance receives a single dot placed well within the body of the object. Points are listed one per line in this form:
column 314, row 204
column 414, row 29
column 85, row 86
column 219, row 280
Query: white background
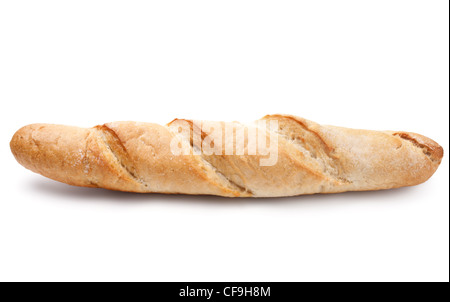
column 361, row 64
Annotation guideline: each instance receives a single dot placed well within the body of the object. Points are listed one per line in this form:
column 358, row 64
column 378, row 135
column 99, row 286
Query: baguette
column 311, row 158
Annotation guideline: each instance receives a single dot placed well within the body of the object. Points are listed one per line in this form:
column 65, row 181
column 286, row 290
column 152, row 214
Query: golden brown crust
column 136, row 157
column 429, row 146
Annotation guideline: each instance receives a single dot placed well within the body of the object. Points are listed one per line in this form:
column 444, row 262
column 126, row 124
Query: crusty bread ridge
column 312, row 158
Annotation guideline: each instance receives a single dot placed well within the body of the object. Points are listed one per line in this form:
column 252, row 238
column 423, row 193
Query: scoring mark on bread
column 118, row 150
column 207, row 162
column 430, row 148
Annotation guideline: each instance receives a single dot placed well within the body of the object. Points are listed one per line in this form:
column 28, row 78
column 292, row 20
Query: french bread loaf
column 311, row 158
